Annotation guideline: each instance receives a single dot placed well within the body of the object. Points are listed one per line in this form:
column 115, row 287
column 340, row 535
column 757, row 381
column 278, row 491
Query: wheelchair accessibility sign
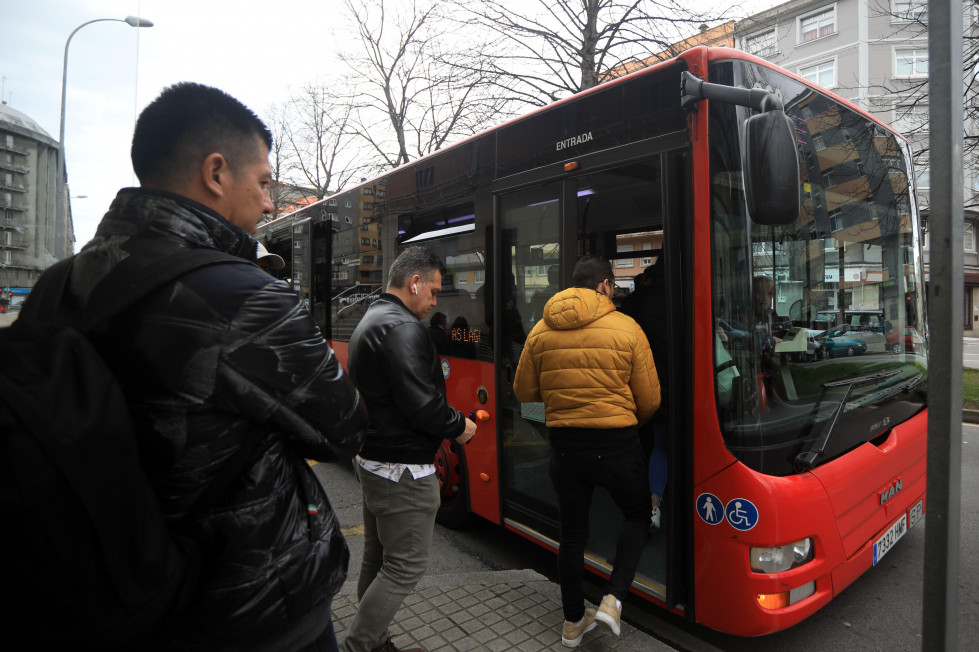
column 741, row 514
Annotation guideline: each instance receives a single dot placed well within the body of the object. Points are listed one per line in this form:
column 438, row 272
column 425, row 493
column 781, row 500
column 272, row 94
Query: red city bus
column 768, row 201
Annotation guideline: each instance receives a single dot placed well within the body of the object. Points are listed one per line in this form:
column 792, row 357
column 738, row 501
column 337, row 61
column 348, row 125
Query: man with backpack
column 230, row 387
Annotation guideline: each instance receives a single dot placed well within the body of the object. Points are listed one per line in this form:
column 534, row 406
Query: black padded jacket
column 394, row 364
column 220, row 356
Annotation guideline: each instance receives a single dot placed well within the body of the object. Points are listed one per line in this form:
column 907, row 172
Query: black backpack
column 88, row 558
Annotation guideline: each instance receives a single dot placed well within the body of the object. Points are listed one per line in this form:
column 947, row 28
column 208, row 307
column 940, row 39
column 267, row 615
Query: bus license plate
column 889, row 538
column 917, row 513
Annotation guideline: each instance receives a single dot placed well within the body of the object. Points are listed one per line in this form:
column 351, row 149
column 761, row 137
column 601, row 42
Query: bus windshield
column 820, row 337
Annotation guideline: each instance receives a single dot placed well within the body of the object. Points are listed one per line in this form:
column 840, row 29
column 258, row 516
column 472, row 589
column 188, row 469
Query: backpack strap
column 134, row 278
column 137, row 277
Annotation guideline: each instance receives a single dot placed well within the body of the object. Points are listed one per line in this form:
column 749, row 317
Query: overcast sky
column 256, row 50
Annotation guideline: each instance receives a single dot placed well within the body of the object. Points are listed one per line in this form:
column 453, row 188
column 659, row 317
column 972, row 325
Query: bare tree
column 412, row 95
column 320, row 137
column 281, row 158
column 548, row 49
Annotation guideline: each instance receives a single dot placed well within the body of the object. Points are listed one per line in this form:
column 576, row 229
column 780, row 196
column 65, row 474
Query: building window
column 969, row 237
column 625, row 262
column 368, row 191
column 346, row 218
column 817, row 25
column 478, row 276
column 368, row 205
column 907, row 10
column 922, row 174
column 332, row 217
column 762, row 45
column 347, row 204
column 823, row 74
column 379, row 193
column 911, row 63
column 365, row 241
column 332, row 202
column 910, row 118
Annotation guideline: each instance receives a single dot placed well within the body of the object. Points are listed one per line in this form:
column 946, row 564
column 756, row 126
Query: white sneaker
column 654, row 519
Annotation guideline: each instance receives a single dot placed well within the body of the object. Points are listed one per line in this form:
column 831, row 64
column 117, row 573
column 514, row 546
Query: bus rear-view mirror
column 771, row 169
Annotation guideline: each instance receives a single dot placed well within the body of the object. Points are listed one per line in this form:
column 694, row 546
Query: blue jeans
column 659, row 467
column 575, row 475
column 399, row 520
column 327, row 641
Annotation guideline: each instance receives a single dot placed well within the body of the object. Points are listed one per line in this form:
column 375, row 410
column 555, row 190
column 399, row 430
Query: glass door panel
column 530, row 274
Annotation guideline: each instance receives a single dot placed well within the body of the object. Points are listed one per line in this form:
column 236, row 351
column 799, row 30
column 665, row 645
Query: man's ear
column 215, row 175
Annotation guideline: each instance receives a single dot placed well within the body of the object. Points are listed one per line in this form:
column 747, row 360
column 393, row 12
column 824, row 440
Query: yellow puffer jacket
column 589, row 364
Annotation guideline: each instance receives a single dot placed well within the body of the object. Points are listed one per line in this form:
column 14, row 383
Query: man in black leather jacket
column 394, row 364
column 222, row 358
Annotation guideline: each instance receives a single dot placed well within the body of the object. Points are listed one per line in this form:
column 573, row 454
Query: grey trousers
column 399, row 520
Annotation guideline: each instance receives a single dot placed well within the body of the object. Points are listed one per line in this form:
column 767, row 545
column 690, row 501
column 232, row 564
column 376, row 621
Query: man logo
column 890, row 490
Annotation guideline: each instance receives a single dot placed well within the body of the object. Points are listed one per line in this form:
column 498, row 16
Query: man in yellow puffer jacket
column 593, row 369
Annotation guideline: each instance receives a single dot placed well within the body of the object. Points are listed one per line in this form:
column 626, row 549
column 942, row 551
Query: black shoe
column 388, row 646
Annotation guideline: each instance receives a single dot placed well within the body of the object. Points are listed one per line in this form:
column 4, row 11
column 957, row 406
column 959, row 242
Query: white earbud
column 414, row 288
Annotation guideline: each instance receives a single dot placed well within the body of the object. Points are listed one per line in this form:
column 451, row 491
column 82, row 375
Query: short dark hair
column 590, row 271
column 187, row 123
column 411, row 261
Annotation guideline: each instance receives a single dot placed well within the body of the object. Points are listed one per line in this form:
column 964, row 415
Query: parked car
column 904, row 340
column 841, row 342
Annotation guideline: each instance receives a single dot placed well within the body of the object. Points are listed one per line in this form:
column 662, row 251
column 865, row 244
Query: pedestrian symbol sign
column 710, row 508
column 741, row 514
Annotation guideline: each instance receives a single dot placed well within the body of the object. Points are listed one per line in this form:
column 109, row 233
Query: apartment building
column 875, row 54
column 28, row 188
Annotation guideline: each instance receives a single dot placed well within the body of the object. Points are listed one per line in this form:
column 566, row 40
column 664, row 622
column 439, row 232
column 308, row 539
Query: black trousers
column 575, row 474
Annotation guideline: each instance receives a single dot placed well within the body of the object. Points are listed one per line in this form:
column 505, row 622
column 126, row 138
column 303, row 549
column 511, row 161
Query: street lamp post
column 60, row 223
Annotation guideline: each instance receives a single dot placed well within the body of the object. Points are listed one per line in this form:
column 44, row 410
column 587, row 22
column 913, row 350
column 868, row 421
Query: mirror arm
column 694, row 90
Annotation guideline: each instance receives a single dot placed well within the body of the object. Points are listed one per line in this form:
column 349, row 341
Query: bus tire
column 450, row 468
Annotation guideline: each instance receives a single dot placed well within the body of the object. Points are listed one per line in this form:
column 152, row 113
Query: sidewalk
column 492, row 610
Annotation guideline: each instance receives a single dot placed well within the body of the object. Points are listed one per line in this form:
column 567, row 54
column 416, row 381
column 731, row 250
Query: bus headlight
column 782, row 558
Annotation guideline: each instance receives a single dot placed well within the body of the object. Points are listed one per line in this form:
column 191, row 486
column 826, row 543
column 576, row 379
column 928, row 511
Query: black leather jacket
column 224, row 354
column 394, row 364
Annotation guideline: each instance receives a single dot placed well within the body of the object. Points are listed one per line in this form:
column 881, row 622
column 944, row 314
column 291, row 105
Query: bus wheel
column 450, row 466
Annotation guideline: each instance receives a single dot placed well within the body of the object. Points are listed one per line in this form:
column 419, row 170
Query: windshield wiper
column 806, row 460
column 903, row 388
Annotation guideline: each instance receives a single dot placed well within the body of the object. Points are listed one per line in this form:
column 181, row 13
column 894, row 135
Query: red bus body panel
column 838, row 506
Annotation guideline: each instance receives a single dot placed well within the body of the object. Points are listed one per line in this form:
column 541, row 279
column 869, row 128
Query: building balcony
column 13, row 167
column 13, row 187
column 7, row 148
